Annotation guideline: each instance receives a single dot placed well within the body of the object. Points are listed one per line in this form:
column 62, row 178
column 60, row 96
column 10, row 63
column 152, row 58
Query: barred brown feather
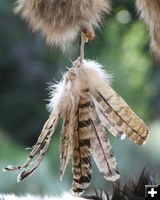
column 102, row 151
column 66, row 140
column 149, row 11
column 41, row 145
column 117, row 111
column 105, row 119
column 65, row 145
column 81, row 151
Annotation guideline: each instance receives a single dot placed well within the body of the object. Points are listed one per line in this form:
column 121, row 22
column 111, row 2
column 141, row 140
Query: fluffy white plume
column 66, row 196
column 90, row 75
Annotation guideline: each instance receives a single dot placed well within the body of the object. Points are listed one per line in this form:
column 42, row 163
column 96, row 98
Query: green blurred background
column 27, row 64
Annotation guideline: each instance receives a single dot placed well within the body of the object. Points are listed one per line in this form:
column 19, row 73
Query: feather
column 41, row 145
column 149, row 11
column 116, row 110
column 65, row 145
column 61, row 20
column 102, row 151
column 67, row 132
column 112, row 106
column 81, row 150
column 107, row 122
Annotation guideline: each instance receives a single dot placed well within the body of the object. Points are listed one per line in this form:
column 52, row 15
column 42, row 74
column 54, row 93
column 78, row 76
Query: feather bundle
column 150, row 12
column 87, row 104
column 61, row 20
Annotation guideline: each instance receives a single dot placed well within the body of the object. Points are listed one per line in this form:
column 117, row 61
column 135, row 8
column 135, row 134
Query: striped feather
column 81, row 150
column 107, row 121
column 41, row 146
column 67, row 132
column 102, row 151
column 117, row 112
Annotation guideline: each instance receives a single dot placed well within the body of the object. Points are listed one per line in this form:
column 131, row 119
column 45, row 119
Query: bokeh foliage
column 27, row 64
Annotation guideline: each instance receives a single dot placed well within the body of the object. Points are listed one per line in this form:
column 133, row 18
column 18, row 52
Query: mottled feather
column 105, row 119
column 122, row 118
column 41, row 146
column 66, row 140
column 81, row 151
column 101, row 150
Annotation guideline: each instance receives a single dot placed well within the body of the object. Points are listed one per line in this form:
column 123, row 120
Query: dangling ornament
column 87, row 104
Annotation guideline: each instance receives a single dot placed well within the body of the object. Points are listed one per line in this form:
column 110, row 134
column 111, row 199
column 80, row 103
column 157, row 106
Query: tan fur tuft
column 150, row 12
column 60, row 20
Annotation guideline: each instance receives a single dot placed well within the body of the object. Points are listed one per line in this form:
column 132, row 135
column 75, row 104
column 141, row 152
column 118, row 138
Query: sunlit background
column 27, row 65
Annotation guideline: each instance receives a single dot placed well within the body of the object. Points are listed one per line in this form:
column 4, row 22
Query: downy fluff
column 61, row 20
column 66, row 196
column 87, row 104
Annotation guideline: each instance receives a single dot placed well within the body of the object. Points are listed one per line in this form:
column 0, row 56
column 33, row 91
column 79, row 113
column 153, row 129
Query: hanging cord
column 85, row 36
column 84, row 39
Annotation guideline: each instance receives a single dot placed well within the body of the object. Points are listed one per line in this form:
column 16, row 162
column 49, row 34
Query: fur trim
column 66, row 196
column 61, row 20
column 130, row 191
column 149, row 11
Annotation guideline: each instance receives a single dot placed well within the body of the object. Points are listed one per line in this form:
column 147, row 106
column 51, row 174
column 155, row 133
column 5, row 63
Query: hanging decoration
column 84, row 99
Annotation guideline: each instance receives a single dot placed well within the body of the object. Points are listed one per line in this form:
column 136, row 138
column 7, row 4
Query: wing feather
column 66, row 141
column 81, row 149
column 118, row 113
column 102, row 151
column 107, row 122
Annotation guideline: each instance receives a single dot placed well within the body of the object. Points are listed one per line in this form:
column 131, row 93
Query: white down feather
column 89, row 75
